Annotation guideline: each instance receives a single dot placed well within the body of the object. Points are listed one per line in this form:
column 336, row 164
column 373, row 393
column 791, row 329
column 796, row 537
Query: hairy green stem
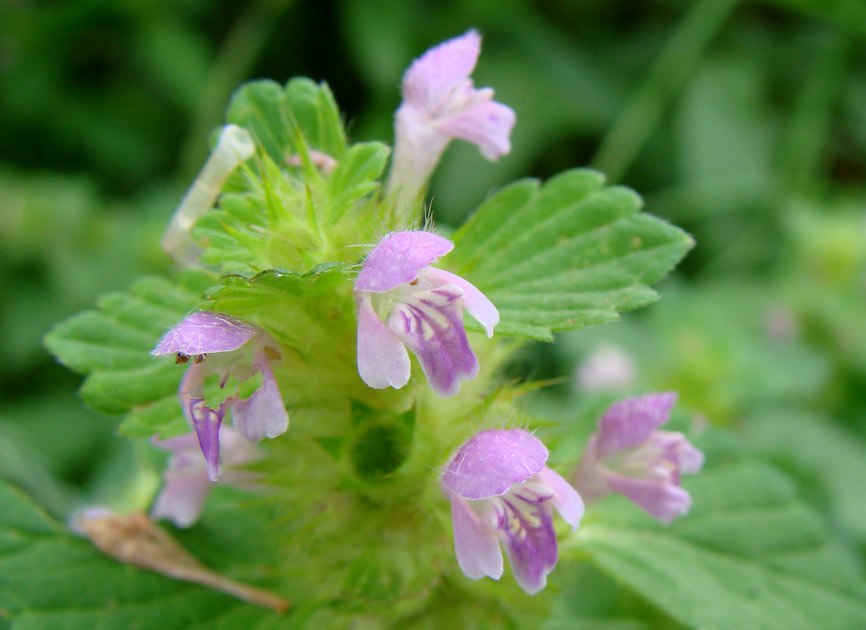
column 807, row 132
column 673, row 66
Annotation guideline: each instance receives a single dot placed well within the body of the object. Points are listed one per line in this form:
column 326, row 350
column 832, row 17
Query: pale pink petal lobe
column 476, row 547
column 474, row 301
column 566, row 500
column 382, row 357
column 263, row 414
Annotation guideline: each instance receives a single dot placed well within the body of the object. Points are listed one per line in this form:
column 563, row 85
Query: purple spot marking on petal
column 530, row 542
column 490, row 462
column 430, row 323
column 398, row 258
column 205, row 332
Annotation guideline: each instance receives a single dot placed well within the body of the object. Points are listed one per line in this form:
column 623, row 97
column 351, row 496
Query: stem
column 673, row 66
column 804, row 142
column 232, row 64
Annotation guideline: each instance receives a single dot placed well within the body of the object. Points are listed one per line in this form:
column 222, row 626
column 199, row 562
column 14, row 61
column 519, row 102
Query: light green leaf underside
column 565, row 255
column 311, row 301
column 750, row 555
column 276, row 116
column 112, row 347
column 52, row 580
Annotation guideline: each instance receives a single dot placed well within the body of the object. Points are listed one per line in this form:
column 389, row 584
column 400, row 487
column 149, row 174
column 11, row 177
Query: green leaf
column 849, row 14
column 112, row 347
column 750, row 555
column 817, row 450
column 277, row 296
column 291, row 120
column 565, row 255
column 50, row 579
column 356, row 175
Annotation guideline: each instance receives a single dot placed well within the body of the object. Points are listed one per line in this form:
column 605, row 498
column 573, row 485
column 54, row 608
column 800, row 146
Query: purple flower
column 501, row 491
column 405, row 302
column 439, row 104
column 627, row 455
column 226, row 346
column 186, row 477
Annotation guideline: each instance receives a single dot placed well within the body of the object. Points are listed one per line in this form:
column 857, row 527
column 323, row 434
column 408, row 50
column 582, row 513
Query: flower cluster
column 440, row 103
column 629, row 456
column 403, row 301
column 226, row 346
column 501, row 491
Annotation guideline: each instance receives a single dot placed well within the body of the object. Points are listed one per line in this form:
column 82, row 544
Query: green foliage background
column 742, row 122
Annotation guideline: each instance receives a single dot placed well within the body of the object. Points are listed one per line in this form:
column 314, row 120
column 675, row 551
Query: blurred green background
column 743, row 122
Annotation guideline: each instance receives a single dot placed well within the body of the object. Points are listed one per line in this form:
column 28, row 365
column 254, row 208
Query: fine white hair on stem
column 235, row 146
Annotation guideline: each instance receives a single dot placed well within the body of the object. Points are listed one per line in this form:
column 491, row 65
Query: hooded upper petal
column 205, row 332
column 492, row 461
column 398, row 258
column 629, row 422
column 431, row 78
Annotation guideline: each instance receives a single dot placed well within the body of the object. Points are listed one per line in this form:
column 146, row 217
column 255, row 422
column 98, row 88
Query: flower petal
column 629, row 422
column 263, row 414
column 691, row 459
column 430, row 79
column 206, row 422
column 530, row 541
column 183, row 494
column 382, row 357
column 591, row 484
column 398, row 258
column 566, row 500
column 205, row 332
column 490, row 462
column 476, row 547
column 488, row 126
column 430, row 323
column 663, row 501
column 475, row 302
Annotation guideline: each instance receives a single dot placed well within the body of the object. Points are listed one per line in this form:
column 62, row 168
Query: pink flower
column 405, row 302
column 439, row 104
column 227, row 346
column 186, row 483
column 502, row 492
column 628, row 455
